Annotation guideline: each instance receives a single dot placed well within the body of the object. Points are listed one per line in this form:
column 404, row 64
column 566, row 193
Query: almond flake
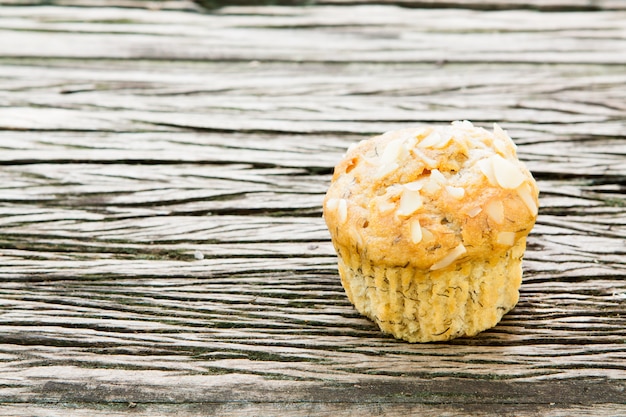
column 431, row 187
column 431, row 140
column 416, row 231
column 429, row 162
column 436, row 175
column 463, row 141
column 499, row 133
column 412, row 137
column 386, row 206
column 414, row 186
column 525, row 194
column 507, row 174
column 409, row 143
column 392, row 152
column 342, row 210
column 506, row 238
column 456, row 192
column 445, row 138
column 474, row 212
column 420, row 131
column 385, row 170
column 500, row 148
column 332, row 203
column 449, row 258
column 410, row 202
column 463, row 123
column 495, row 210
column 486, row 167
column 427, row 235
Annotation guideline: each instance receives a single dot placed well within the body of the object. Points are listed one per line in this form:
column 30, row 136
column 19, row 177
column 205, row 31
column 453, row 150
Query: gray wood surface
column 162, row 168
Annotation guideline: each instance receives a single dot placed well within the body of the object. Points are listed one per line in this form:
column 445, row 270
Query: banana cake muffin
column 430, row 226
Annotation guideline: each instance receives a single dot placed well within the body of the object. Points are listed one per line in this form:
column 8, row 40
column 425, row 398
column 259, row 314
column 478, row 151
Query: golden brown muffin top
column 430, row 196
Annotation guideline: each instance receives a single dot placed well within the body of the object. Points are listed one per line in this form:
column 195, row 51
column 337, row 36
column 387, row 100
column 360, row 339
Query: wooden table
column 162, row 170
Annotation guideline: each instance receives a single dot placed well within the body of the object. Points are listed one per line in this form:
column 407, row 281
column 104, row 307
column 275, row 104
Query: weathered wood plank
column 590, row 160
column 153, row 5
column 298, row 409
column 545, row 5
column 383, row 34
column 161, row 178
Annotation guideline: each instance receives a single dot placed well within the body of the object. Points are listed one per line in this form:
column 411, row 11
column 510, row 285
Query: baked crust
column 456, row 180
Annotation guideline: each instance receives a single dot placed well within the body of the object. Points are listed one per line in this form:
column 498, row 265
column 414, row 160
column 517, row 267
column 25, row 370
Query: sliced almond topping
column 506, row 238
column 420, row 131
column 456, row 192
column 429, row 162
column 392, row 152
column 499, row 133
column 500, row 148
column 436, row 175
column 332, row 203
column 431, row 186
column 385, row 170
column 413, row 137
column 431, row 140
column 410, row 202
column 409, row 143
column 386, row 206
column 525, row 194
column 474, row 212
column 427, row 235
column 495, row 210
column 463, row 123
column 447, row 260
column 486, row 167
column 464, row 142
column 445, row 138
column 414, row 186
column 342, row 210
column 507, row 174
column 416, row 231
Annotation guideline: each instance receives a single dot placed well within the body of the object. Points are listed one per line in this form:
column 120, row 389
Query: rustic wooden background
column 161, row 176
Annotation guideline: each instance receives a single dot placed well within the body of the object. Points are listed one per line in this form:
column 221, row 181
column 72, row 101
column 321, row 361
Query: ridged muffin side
column 424, row 306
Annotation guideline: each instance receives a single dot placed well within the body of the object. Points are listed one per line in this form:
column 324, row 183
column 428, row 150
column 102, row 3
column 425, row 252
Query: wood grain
column 162, row 169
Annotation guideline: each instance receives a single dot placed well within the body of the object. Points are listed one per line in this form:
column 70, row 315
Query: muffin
column 430, row 226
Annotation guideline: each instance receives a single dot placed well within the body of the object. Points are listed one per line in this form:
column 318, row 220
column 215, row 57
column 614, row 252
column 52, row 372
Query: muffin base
column 423, row 306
